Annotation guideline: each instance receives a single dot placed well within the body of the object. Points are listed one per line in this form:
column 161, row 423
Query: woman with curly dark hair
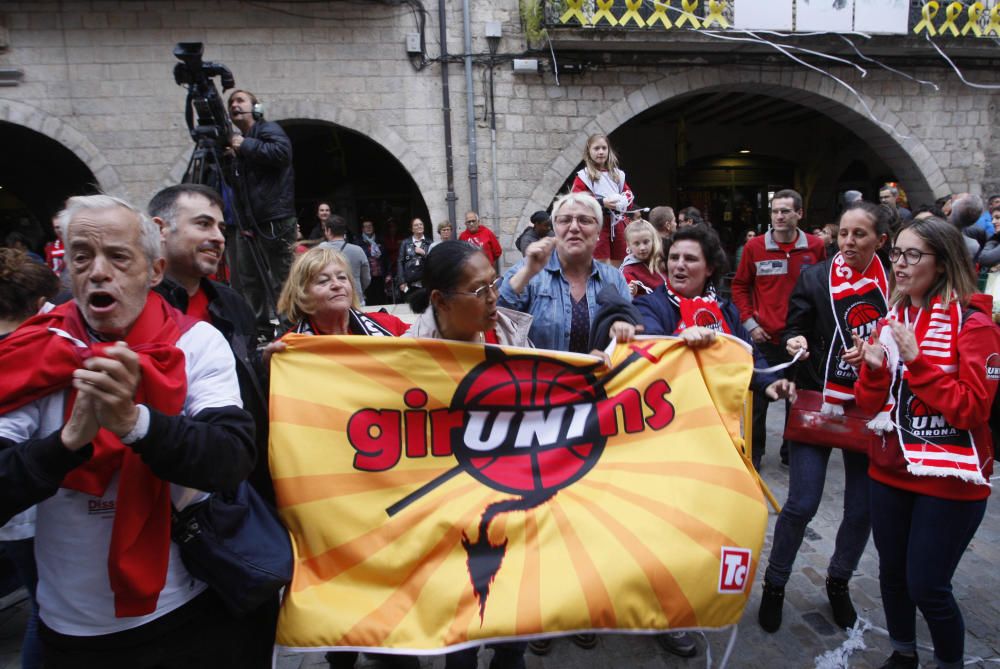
column 25, row 286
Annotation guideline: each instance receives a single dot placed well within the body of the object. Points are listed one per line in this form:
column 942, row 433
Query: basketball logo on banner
column 460, row 493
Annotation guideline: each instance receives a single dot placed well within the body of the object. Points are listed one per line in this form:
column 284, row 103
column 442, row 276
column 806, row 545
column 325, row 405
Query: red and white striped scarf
column 858, row 301
column 931, row 446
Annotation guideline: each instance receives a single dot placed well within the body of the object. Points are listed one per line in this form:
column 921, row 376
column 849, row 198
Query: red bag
column 807, row 425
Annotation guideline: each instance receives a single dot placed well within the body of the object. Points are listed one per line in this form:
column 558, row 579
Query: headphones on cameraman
column 258, row 111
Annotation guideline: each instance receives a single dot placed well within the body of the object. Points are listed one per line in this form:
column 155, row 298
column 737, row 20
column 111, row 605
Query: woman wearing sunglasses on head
column 458, row 300
column 930, row 377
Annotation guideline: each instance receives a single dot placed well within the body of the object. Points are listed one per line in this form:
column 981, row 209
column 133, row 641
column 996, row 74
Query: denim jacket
column 547, row 299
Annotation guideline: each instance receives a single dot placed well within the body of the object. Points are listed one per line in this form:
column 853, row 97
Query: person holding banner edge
column 831, row 301
column 686, row 306
column 934, row 365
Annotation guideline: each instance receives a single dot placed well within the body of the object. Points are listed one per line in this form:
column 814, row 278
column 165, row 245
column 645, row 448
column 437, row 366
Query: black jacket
column 810, row 314
column 232, row 316
column 266, row 167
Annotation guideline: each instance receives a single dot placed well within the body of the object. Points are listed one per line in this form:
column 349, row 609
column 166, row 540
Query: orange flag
column 441, row 494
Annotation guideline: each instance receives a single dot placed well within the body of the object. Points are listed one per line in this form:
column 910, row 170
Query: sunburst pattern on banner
column 636, row 513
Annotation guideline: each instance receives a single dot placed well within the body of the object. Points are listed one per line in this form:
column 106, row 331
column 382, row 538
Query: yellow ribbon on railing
column 632, row 13
column 976, row 10
column 574, row 11
column 994, row 26
column 953, row 12
column 659, row 14
column 715, row 9
column 604, row 11
column 928, row 12
column 687, row 14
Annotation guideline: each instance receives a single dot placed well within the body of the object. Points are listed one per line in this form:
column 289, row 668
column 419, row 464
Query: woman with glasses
column 832, row 303
column 930, row 377
column 558, row 281
column 459, row 300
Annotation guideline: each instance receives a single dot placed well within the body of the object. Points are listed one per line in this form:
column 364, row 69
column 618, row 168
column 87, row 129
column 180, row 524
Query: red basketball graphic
column 862, row 318
column 918, row 408
column 531, row 424
column 706, row 319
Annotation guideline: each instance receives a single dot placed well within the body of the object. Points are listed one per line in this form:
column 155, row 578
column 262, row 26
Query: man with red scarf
column 113, row 408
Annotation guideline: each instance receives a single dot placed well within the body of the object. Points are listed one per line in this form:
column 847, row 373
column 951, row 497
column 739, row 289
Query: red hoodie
column 965, row 402
column 766, row 276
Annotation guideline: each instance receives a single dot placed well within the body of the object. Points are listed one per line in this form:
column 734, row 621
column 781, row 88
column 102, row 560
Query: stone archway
column 359, row 122
column 35, row 119
column 903, row 151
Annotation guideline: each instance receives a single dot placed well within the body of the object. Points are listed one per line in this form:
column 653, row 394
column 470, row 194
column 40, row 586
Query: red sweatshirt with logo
column 964, row 402
column 766, row 276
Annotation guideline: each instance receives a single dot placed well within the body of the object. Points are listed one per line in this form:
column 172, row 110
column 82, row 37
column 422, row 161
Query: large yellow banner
column 440, row 494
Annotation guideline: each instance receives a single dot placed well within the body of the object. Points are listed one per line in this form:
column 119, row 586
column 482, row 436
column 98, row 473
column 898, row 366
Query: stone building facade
column 96, row 77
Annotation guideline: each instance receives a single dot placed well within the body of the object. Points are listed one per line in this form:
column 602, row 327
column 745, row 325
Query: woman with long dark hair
column 831, row 304
column 931, row 377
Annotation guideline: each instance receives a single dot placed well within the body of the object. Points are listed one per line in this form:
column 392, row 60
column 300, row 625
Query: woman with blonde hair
column 320, row 298
column 602, row 178
column 641, row 267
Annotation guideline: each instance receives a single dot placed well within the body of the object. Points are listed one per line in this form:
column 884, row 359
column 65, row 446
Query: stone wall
column 98, row 78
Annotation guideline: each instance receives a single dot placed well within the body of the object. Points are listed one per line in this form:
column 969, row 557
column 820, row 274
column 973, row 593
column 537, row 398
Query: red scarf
column 702, row 311
column 930, row 445
column 858, row 302
column 140, row 538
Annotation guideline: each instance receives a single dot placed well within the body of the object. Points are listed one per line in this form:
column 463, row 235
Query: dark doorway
column 37, row 174
column 724, row 151
column 356, row 175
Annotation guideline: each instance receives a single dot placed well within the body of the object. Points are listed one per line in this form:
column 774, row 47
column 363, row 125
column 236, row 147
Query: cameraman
column 265, row 158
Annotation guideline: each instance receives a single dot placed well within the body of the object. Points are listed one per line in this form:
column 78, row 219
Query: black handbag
column 236, row 544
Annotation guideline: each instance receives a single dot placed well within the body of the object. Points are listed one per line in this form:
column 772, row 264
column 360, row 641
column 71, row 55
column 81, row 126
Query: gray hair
column 890, row 188
column 149, row 233
column 966, row 210
column 586, row 199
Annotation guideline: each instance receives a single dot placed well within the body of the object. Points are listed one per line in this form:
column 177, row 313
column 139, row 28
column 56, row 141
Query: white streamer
column 886, row 67
column 958, row 71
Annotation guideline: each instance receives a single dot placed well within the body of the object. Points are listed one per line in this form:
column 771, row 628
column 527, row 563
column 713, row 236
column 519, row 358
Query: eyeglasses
column 483, row 292
column 783, row 212
column 912, row 256
column 582, row 220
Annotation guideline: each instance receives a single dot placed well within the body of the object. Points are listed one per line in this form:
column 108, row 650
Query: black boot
column 840, row 600
column 900, row 661
column 771, row 601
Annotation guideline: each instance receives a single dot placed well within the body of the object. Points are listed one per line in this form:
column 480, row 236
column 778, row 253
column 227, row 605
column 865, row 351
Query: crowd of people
column 148, row 389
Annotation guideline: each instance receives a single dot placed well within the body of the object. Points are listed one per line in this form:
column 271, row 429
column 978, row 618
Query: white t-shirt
column 73, row 531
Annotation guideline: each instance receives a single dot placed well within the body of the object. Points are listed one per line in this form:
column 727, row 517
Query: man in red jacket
column 763, row 284
column 481, row 236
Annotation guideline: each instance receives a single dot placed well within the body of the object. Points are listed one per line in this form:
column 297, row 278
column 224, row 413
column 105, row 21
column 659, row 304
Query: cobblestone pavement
column 808, row 628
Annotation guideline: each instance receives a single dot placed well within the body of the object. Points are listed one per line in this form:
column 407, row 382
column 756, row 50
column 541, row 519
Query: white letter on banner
column 536, row 425
column 477, row 423
column 580, row 414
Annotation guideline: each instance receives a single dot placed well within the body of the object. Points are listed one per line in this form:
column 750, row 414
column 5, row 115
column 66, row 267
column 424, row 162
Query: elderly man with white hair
column 114, row 408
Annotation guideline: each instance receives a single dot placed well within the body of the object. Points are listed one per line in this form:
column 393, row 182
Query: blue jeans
column 22, row 556
column 920, row 540
column 806, row 477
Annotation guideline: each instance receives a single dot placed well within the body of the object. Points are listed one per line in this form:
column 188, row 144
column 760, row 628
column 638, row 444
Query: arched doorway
column 724, row 152
column 834, row 127
column 37, row 174
column 358, row 176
